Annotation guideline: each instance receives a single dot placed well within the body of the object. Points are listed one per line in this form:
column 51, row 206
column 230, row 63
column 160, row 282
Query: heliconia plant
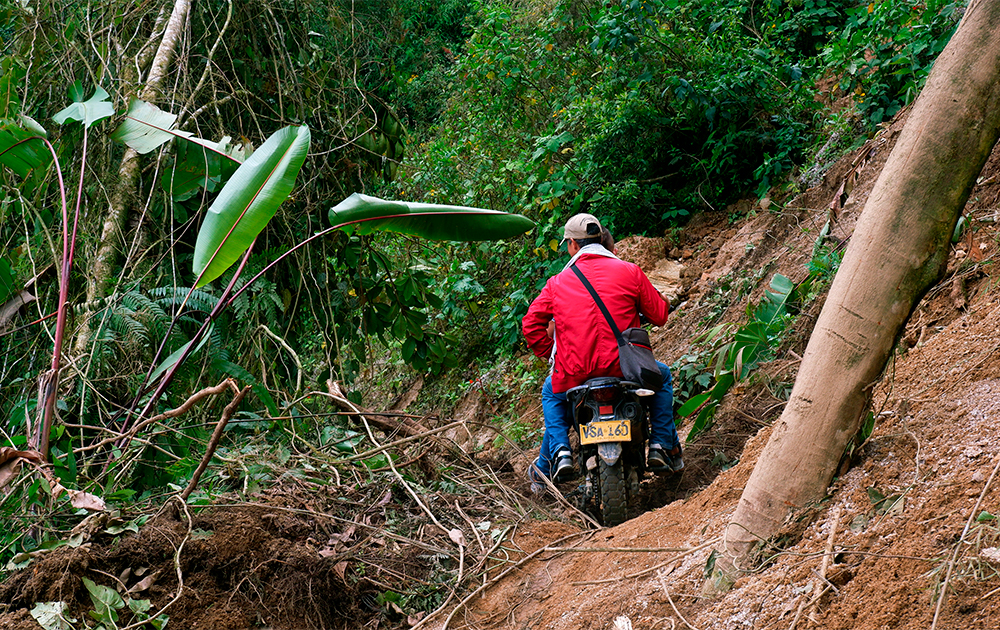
column 250, row 189
column 365, row 214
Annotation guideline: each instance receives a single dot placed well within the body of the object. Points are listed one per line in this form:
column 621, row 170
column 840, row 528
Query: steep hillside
column 911, row 512
column 325, row 547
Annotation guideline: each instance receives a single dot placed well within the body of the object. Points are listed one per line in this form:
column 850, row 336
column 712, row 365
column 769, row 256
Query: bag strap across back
column 600, row 305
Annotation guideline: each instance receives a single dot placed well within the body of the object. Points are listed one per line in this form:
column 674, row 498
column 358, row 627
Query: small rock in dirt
column 991, row 554
column 840, row 576
column 972, row 452
column 691, row 272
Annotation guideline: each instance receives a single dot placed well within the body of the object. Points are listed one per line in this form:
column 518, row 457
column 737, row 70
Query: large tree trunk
column 899, row 249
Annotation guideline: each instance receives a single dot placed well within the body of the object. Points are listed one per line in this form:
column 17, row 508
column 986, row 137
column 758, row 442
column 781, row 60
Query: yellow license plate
column 605, row 431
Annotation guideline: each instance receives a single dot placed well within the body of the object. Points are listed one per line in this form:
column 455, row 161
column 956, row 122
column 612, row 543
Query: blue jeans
column 558, row 420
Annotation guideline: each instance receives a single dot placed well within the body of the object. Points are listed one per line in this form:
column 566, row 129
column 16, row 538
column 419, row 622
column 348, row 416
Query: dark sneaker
column 563, row 469
column 676, row 462
column 657, row 460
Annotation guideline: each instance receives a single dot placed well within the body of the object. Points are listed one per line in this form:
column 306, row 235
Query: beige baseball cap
column 581, row 226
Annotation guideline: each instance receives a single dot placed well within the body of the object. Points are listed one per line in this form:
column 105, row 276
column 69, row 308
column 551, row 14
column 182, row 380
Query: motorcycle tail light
column 604, row 394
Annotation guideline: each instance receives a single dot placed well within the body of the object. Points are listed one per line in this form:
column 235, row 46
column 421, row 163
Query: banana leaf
column 30, row 155
column 195, row 167
column 176, row 355
column 198, row 162
column 7, row 287
column 248, row 201
column 147, row 127
column 776, row 300
column 693, row 403
column 88, row 112
column 428, row 220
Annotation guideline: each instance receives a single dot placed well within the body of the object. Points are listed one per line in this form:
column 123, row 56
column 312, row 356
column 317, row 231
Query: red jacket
column 586, row 346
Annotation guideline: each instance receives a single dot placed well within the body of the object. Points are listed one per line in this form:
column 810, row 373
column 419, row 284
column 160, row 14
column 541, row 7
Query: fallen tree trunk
column 10, row 308
column 899, row 250
column 389, row 425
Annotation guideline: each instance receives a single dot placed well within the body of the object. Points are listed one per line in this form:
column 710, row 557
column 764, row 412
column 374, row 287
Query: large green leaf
column 176, row 355
column 7, row 287
column 198, row 163
column 196, row 167
column 248, row 201
column 693, row 403
column 147, row 127
column 88, row 112
column 11, row 79
column 775, row 302
column 428, row 220
column 21, row 150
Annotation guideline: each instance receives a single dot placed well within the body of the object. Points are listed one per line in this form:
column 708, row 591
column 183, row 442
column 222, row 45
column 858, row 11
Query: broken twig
column 213, row 444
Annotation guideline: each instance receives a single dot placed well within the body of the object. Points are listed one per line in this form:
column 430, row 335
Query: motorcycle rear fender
column 610, row 452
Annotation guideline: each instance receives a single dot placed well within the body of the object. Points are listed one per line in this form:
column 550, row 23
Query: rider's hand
column 671, row 299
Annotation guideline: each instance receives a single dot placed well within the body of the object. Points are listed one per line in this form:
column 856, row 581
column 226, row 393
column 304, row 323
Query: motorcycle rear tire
column 614, row 494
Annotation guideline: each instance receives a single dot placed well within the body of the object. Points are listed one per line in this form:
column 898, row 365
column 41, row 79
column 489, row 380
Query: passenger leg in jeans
column 664, row 443
column 555, row 456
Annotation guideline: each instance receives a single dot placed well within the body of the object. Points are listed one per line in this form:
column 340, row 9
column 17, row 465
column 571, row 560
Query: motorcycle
column 613, row 425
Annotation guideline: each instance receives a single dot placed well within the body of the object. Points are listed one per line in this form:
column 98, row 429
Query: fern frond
column 174, row 296
column 147, row 311
column 103, row 338
column 241, row 305
column 128, row 329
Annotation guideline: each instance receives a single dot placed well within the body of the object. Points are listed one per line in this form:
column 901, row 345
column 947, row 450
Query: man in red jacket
column 587, row 347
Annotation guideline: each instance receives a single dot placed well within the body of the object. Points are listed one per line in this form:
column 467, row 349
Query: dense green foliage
column 644, row 112
column 899, row 42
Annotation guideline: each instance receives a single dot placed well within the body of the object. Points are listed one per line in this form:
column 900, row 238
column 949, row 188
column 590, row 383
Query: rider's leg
column 545, row 456
column 662, row 430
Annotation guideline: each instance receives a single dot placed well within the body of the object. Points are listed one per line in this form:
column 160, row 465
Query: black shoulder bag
column 635, row 352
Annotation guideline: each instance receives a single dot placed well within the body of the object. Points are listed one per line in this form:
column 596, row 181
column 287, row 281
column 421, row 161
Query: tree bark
column 899, row 249
column 103, row 262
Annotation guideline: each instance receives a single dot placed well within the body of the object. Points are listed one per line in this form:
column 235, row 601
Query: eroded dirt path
column 901, row 516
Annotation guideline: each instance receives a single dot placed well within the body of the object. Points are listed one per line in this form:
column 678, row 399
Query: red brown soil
column 901, row 516
column 938, row 415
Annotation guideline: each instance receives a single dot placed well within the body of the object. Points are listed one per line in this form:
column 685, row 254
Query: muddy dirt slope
column 910, row 514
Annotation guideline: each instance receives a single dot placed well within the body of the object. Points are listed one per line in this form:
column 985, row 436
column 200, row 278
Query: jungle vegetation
column 643, row 112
